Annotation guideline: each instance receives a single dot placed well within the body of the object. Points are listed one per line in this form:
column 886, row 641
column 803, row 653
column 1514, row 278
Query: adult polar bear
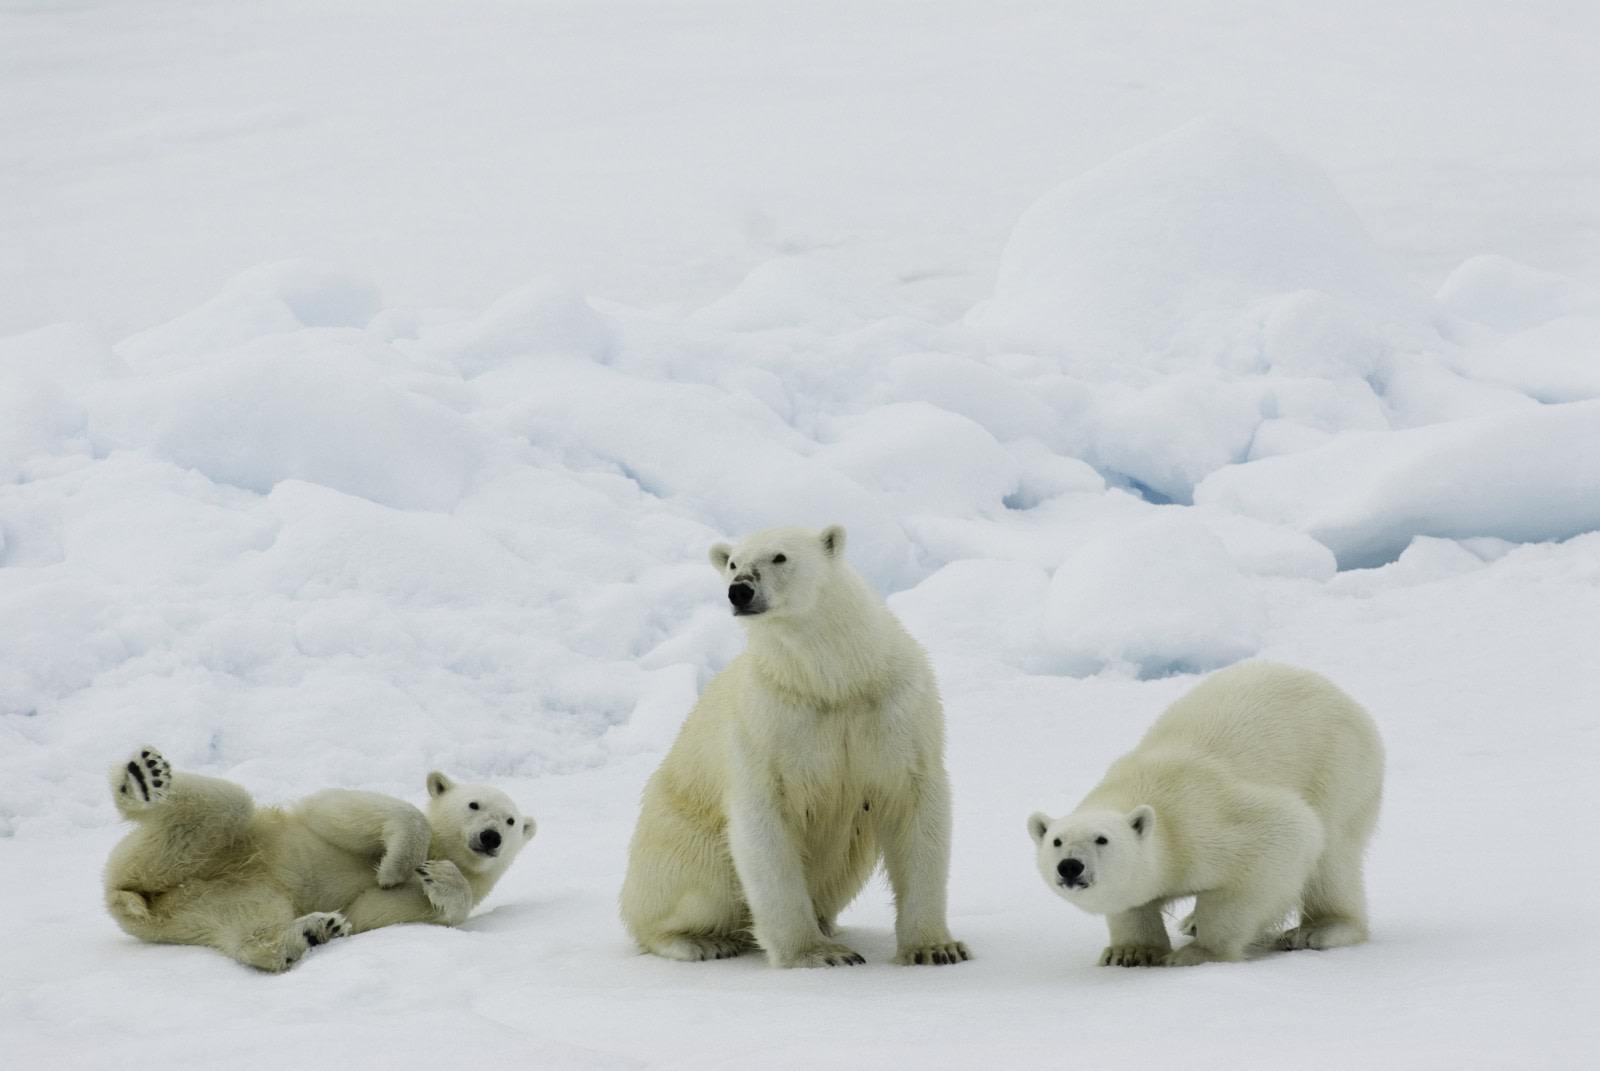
column 205, row 866
column 1256, row 793
column 815, row 753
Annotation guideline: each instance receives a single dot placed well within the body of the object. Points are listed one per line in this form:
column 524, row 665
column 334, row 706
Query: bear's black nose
column 488, row 840
column 1070, row 869
column 741, row 594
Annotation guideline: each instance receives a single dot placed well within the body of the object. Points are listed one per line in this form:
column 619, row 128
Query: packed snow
column 375, row 377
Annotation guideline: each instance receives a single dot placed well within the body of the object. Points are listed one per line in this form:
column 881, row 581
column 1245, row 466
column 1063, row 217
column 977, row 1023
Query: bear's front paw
column 936, row 954
column 1131, row 956
column 828, row 954
column 447, row 890
column 146, row 779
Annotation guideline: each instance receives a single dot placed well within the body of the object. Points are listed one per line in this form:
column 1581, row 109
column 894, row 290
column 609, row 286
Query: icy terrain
column 374, row 377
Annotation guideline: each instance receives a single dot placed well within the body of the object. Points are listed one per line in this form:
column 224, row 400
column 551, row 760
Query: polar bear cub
column 205, row 866
column 813, row 755
column 1255, row 793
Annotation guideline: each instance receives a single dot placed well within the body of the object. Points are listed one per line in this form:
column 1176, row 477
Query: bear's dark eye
column 1057, row 842
column 473, row 806
column 732, row 564
column 511, row 821
column 779, row 559
column 1101, row 840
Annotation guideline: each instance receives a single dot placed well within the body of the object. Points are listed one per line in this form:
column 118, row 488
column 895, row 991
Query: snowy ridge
column 488, row 526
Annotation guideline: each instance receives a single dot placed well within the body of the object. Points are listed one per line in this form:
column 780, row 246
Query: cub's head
column 1102, row 861
column 778, row 571
column 476, row 827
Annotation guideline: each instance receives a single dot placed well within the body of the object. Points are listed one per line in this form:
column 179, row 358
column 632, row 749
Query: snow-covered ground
column 374, row 377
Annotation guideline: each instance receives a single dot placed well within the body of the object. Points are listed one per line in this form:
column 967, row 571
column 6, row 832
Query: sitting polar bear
column 1256, row 793
column 815, row 753
column 205, row 866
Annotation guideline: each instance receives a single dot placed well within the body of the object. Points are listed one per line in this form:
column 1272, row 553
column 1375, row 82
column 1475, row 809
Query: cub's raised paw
column 447, row 890
column 145, row 780
column 1131, row 956
column 936, row 954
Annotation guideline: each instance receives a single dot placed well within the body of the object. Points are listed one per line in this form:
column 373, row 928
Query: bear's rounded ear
column 1142, row 818
column 832, row 540
column 439, row 784
column 720, row 553
column 1038, row 822
column 529, row 828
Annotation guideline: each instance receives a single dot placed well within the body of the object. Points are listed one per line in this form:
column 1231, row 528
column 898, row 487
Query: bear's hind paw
column 1322, row 936
column 699, row 947
column 320, row 927
column 302, row 935
column 146, row 779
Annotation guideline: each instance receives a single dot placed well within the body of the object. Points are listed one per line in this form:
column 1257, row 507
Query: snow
column 374, row 378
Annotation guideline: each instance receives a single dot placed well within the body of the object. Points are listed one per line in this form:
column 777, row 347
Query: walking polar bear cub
column 815, row 753
column 1256, row 793
column 206, row 866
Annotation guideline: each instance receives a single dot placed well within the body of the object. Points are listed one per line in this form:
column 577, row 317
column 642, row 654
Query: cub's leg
column 255, row 925
column 1333, row 907
column 1243, row 917
column 390, row 832
column 183, row 823
column 254, row 931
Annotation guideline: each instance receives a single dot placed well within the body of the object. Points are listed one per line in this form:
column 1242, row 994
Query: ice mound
column 265, row 300
column 1508, row 296
column 259, row 418
column 1162, row 596
column 1154, row 256
column 1527, row 476
column 545, row 316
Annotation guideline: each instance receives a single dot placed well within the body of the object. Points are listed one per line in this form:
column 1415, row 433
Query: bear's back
column 1273, row 724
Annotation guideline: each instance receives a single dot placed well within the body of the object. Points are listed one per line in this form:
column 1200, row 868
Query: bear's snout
column 1071, row 871
column 487, row 842
column 745, row 599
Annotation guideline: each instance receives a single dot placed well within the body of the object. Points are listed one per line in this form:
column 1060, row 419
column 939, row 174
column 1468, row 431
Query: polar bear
column 206, row 866
column 810, row 757
column 1255, row 793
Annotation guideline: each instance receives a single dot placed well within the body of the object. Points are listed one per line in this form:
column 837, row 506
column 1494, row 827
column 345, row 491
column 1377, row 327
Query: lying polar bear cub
column 1256, row 793
column 206, row 866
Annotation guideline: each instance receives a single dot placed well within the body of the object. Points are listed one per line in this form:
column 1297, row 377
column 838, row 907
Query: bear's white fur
column 816, row 752
column 1255, row 793
column 206, row 866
